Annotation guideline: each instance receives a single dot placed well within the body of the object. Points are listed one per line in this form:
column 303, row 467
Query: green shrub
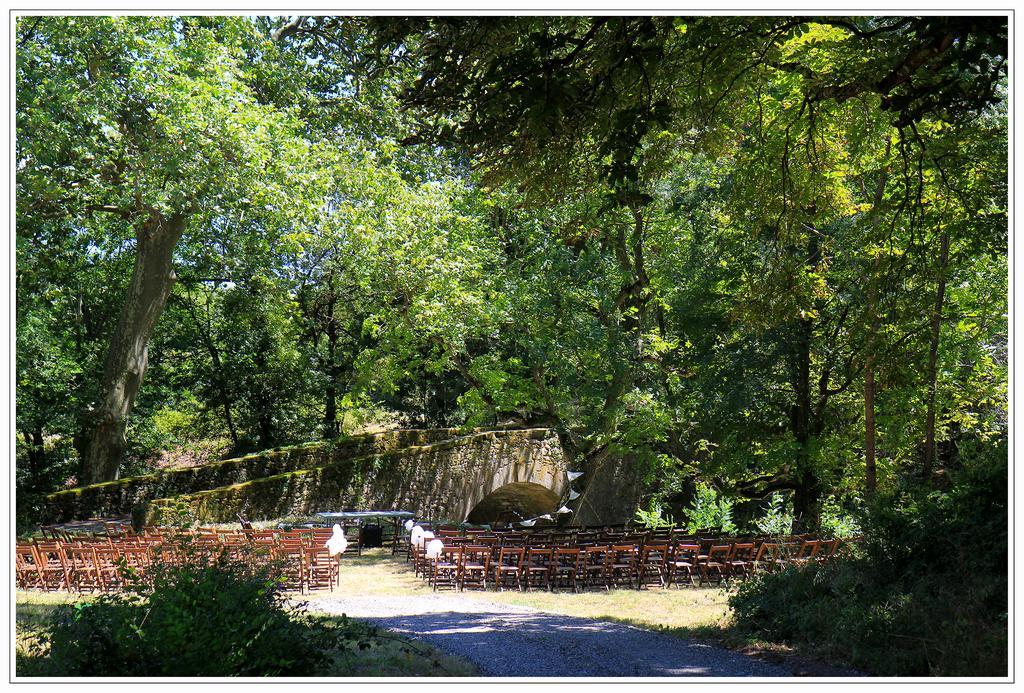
column 778, row 518
column 924, row 594
column 709, row 511
column 654, row 517
column 835, row 522
column 218, row 620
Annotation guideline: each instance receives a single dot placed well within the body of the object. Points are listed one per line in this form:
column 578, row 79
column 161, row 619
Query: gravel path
column 506, row 640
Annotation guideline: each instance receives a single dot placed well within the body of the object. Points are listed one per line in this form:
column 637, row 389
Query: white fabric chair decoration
column 573, row 494
column 528, row 523
column 414, row 538
column 573, row 476
column 409, row 524
column 434, row 549
column 423, row 539
column 563, row 510
column 337, row 544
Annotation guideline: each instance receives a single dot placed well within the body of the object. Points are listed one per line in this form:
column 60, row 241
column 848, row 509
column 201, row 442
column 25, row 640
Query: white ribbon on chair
column 337, row 544
column 434, row 549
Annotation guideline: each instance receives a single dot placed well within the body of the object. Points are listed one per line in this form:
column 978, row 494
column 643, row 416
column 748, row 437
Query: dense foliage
column 924, row 594
column 220, row 620
column 758, row 262
column 782, row 273
column 224, row 619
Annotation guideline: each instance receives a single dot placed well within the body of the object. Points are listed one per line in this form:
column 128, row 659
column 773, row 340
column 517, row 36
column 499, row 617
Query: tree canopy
column 755, row 253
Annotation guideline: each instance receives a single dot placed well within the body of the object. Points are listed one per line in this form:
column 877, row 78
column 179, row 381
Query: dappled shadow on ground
column 382, row 587
column 543, row 644
column 363, row 649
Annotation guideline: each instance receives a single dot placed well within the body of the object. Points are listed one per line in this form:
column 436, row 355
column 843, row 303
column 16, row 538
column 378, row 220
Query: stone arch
column 513, row 502
column 528, row 462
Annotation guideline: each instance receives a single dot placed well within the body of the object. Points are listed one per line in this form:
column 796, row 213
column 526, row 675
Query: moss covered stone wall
column 120, row 497
column 436, row 480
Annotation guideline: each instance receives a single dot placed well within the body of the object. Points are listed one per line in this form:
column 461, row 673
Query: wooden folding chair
column 476, row 565
column 684, row 561
column 109, row 561
column 716, row 567
column 537, row 568
column 446, row 568
column 566, row 568
column 653, row 566
column 806, row 553
column 81, row 563
column 622, row 560
column 764, row 558
column 741, row 560
column 321, row 568
column 595, row 566
column 826, row 549
column 421, row 565
column 137, row 561
column 509, row 567
column 291, row 561
column 28, row 572
column 53, row 565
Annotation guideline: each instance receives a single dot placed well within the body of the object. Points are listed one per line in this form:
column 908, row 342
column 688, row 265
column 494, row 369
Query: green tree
column 158, row 123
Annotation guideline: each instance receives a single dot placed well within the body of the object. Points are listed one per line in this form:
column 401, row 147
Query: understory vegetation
column 225, row 619
column 754, row 267
column 925, row 594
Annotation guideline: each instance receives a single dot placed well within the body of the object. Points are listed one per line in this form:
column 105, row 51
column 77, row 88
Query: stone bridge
column 478, row 476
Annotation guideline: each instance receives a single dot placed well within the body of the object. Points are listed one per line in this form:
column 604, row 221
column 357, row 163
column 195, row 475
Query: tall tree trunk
column 225, row 396
column 264, row 402
column 805, row 497
column 933, row 353
column 128, row 353
column 35, row 453
column 805, row 491
column 870, row 470
column 870, row 473
column 331, row 428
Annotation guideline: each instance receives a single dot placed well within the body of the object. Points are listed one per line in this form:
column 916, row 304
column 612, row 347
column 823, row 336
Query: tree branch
column 292, row 27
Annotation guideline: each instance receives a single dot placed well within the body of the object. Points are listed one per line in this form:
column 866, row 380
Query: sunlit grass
column 685, row 611
column 32, row 612
column 691, row 612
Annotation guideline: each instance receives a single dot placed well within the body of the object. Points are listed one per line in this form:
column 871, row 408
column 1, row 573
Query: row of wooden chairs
column 467, row 565
column 584, row 537
column 90, row 563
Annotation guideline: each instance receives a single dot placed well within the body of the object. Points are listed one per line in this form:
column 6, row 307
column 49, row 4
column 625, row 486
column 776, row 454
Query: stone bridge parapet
column 440, row 474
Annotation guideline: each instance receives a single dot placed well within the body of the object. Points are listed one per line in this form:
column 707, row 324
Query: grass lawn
column 32, row 611
column 701, row 614
column 686, row 612
column 697, row 613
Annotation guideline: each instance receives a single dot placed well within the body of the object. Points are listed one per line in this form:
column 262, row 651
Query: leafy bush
column 219, row 620
column 709, row 511
column 778, row 519
column 833, row 522
column 924, row 594
column 654, row 517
